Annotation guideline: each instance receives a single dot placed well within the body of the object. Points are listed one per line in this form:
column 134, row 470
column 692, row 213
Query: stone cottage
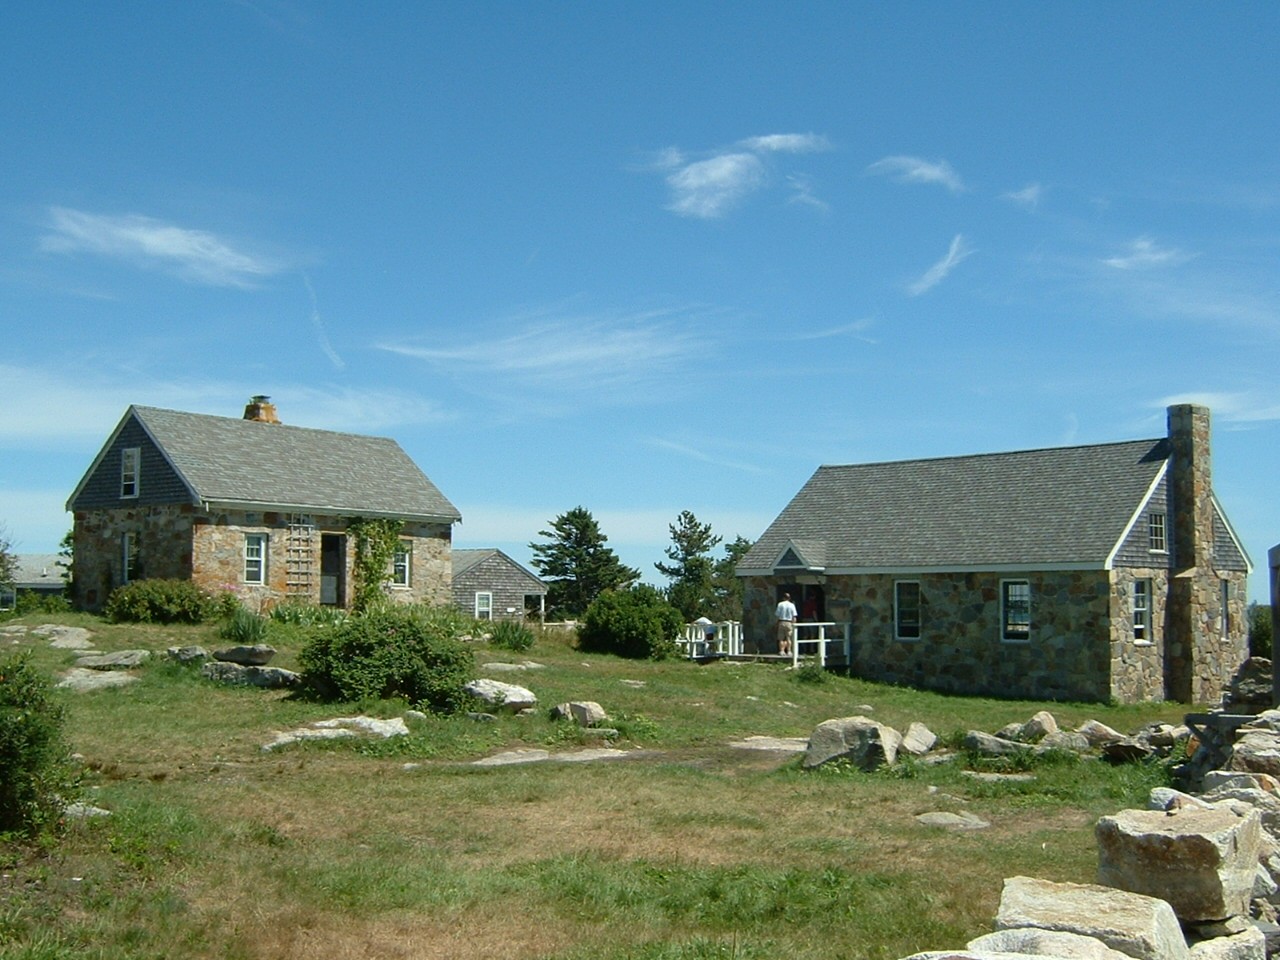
column 253, row 506
column 489, row 585
column 1083, row 573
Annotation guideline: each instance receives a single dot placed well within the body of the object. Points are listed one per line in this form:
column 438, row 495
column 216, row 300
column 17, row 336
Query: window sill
column 1016, row 641
column 1144, row 643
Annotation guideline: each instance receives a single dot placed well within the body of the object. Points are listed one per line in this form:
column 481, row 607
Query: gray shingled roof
column 1067, row 505
column 38, row 571
column 464, row 560
column 230, row 460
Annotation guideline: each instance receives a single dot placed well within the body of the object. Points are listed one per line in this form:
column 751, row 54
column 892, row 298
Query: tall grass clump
column 160, row 601
column 389, row 652
column 245, row 627
column 36, row 779
column 511, row 635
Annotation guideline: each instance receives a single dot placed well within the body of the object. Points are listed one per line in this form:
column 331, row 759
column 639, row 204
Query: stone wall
column 178, row 541
column 1138, row 667
column 960, row 650
column 218, row 550
column 163, row 548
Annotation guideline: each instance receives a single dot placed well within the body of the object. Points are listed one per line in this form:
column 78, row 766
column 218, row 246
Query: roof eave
column 328, row 510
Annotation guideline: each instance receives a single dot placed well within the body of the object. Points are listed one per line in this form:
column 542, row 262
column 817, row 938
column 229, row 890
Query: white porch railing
column 699, row 641
column 820, row 634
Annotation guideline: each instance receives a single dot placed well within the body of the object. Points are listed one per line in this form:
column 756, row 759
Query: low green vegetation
column 636, row 622
column 36, row 778
column 690, row 847
column 160, row 601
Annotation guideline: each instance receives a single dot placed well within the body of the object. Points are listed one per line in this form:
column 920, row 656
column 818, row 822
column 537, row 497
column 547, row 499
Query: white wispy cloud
column 710, row 188
column 802, row 193
column 958, row 251
column 77, row 412
column 1028, row 197
column 196, row 256
column 1143, row 253
column 317, row 323
column 1240, row 407
column 694, row 453
column 916, row 170
column 787, row 143
column 855, row 329
column 570, row 353
column 714, row 184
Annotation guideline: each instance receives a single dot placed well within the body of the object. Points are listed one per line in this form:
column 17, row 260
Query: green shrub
column 510, row 635
column 637, row 623
column 244, row 627
column 31, row 602
column 160, row 601
column 392, row 651
column 35, row 776
column 1260, row 630
column 811, row 673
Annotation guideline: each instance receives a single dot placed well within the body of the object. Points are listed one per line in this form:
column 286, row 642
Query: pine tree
column 691, row 570
column 578, row 563
column 726, row 588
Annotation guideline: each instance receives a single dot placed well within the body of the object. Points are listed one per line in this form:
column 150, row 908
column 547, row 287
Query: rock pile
column 1192, row 877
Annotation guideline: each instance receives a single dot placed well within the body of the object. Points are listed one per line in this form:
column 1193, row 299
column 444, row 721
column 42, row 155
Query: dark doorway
column 333, row 569
column 813, row 603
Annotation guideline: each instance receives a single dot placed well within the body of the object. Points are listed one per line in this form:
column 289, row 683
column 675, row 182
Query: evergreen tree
column 726, row 588
column 8, row 560
column 692, row 569
column 577, row 563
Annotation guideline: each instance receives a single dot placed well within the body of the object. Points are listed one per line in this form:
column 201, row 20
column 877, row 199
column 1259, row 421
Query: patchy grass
column 693, row 850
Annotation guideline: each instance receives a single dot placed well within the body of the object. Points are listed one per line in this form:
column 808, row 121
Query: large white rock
column 1098, row 733
column 505, row 695
column 919, row 739
column 1038, row 727
column 1256, row 751
column 863, row 741
column 1251, row 944
column 1201, row 861
column 1046, row 943
column 1142, row 927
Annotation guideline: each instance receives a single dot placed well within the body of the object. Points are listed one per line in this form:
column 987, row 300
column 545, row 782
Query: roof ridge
column 141, row 408
column 992, row 453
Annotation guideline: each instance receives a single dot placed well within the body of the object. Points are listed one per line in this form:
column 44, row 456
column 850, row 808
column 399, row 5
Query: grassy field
column 689, row 849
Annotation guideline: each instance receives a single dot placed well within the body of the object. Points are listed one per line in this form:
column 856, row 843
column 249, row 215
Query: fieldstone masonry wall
column 179, row 541
column 1068, row 655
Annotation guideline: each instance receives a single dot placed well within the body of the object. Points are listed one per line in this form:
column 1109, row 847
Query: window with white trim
column 906, row 609
column 128, row 557
column 1157, row 542
column 255, row 558
column 1142, row 611
column 130, row 463
column 402, row 564
column 1015, row 609
column 484, row 605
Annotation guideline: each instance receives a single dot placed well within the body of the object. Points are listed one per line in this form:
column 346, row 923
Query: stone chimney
column 1190, row 486
column 261, row 409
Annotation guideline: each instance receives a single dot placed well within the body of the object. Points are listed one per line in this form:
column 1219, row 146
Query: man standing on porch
column 786, row 615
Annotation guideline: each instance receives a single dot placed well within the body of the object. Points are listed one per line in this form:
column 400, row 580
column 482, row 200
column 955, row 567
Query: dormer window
column 130, row 461
column 1156, row 540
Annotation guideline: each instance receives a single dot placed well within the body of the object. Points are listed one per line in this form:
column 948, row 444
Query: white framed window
column 402, row 564
column 1015, row 610
column 128, row 557
column 255, row 558
column 130, row 462
column 1157, row 541
column 1142, row 611
column 906, row 609
column 484, row 605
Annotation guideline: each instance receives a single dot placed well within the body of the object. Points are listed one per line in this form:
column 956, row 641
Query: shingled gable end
column 1084, row 573
column 253, row 506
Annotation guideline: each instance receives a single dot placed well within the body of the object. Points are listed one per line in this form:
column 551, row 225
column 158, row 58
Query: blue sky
column 642, row 257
